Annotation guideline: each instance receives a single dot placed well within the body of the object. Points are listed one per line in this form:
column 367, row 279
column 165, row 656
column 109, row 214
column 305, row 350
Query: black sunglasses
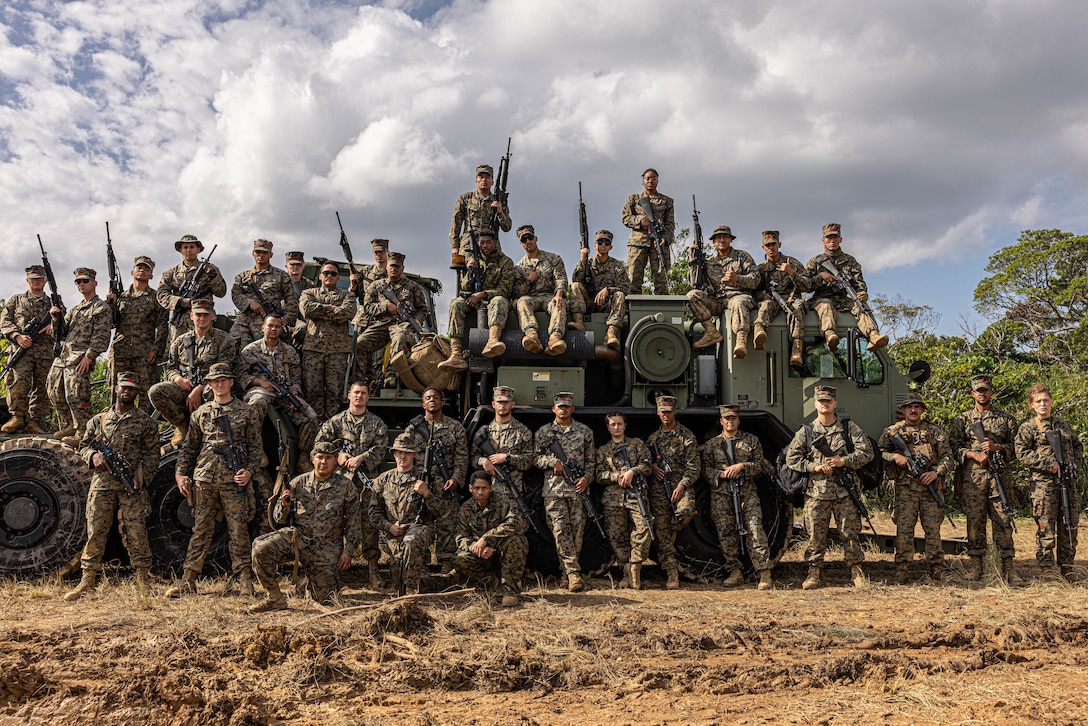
column 331, row 273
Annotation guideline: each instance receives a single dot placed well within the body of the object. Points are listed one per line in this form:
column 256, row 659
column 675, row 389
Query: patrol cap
column 910, row 399
column 145, row 261
column 405, row 442
column 826, row 393
column 128, row 379
column 563, row 398
column 525, row 229
column 396, row 258
column 502, row 393
column 325, row 447
column 771, row 235
column 982, row 383
column 728, row 409
column 603, row 234
column 296, row 256
column 832, row 229
column 84, row 273
column 35, row 272
column 219, row 370
column 262, row 245
column 379, row 245
column 722, row 229
column 666, row 403
column 188, row 238
column 203, row 306
column 485, row 169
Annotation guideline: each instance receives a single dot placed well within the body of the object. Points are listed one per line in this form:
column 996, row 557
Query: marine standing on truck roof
column 640, row 248
column 476, row 210
column 327, row 311
column 139, row 343
column 174, row 279
column 28, row 399
column 274, row 286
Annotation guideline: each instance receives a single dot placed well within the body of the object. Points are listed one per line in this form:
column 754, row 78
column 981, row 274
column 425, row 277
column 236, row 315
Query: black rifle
column 475, row 274
column 406, row 311
column 60, row 327
column 918, row 464
column 776, row 295
column 657, row 234
column 583, row 230
column 191, row 287
column 34, row 329
column 574, row 472
column 439, row 449
column 115, row 279
column 234, row 455
column 500, row 186
column 1064, row 478
column 846, row 284
column 504, row 476
column 735, row 488
column 191, row 371
column 359, row 477
column 270, row 308
column 119, row 467
column 698, row 274
column 640, row 488
column 845, row 479
column 665, row 466
column 344, row 245
column 997, row 467
column 283, row 390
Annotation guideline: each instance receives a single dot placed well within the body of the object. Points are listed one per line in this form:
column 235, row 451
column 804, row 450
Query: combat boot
column 495, row 346
column 877, row 340
column 740, row 349
column 68, row 430
column 556, row 344
column 531, row 341
column 34, row 428
column 1049, row 573
column 766, row 580
column 75, row 439
column 575, row 582
column 858, row 576
column 797, row 354
column 736, row 577
column 14, row 425
column 577, row 321
column 186, row 585
column 973, row 570
column 375, row 576
column 832, row 339
column 275, row 601
column 760, row 336
column 900, row 575
column 245, row 583
column 626, row 581
column 636, row 575
column 1010, row 574
column 509, row 600
column 937, row 572
column 711, row 336
column 1070, row 573
column 672, row 580
column 180, row 432
column 86, row 583
column 813, row 580
column 456, row 361
column 612, row 337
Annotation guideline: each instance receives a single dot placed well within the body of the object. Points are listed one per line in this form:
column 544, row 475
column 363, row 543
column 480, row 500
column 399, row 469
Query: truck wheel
column 43, row 496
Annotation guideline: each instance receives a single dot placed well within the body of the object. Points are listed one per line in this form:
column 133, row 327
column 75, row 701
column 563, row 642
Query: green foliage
column 677, row 274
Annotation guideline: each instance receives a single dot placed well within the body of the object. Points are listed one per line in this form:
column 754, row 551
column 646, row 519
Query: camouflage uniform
column 748, row 451
column 681, row 448
column 913, row 501
column 215, row 347
column 136, row 437
column 502, row 527
column 824, row 495
column 498, row 286
column 512, row 438
column 212, row 283
column 326, row 517
column 640, row 249
column 142, row 330
column 283, row 362
column 565, row 513
column 451, row 434
column 395, row 500
column 368, row 275
column 1033, row 450
column 734, row 296
column 384, row 326
column 88, row 335
column 475, row 208
column 790, row 288
column 610, row 274
column 553, row 276
column 214, row 492
column 299, row 330
column 26, row 382
column 628, row 530
column 276, row 287
column 978, row 492
column 327, row 347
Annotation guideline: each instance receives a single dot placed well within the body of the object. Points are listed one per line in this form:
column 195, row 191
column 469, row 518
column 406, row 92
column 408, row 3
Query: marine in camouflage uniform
column 512, row 441
column 28, row 401
column 565, row 512
column 540, row 283
column 827, row 298
column 296, row 263
column 385, row 326
column 496, row 287
column 139, row 343
column 678, row 445
column 620, row 463
column 478, row 209
column 733, row 278
column 69, row 381
column 912, row 498
column 825, row 495
column 1052, row 537
column 640, row 248
column 611, row 285
column 328, row 312
column 321, row 512
column 448, row 433
column 169, row 290
column 403, row 509
column 362, row 439
column 749, row 462
column 787, row 276
column 214, row 489
column 978, row 492
column 490, row 540
column 132, row 434
column 276, row 288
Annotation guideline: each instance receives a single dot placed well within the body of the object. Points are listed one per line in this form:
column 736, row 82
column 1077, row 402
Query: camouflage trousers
column 27, row 388
column 409, row 552
column 261, row 399
column 567, row 519
column 70, row 393
column 614, row 305
column 826, row 307
column 721, row 513
column 704, row 307
column 529, row 304
column 210, row 502
column 498, row 309
column 132, row 521
column 445, row 534
column 146, row 374
column 317, row 562
column 912, row 505
column 769, row 310
column 399, row 336
column 508, row 563
column 248, row 328
column 263, row 487
column 169, row 400
column 817, row 521
column 637, row 258
column 369, row 542
column 979, row 500
column 665, row 525
column 323, row 382
column 1052, row 534
column 628, row 531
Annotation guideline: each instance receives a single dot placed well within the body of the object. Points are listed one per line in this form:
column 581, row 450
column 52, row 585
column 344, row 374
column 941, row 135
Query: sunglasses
column 330, row 273
column 604, row 242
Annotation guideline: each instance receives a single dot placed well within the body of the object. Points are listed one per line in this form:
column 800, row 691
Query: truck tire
column 43, row 498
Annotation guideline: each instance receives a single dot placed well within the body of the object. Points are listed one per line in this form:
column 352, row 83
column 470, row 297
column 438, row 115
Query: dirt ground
column 927, row 653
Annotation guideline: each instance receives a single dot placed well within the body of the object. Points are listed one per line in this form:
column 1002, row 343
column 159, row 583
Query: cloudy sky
column 933, row 131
